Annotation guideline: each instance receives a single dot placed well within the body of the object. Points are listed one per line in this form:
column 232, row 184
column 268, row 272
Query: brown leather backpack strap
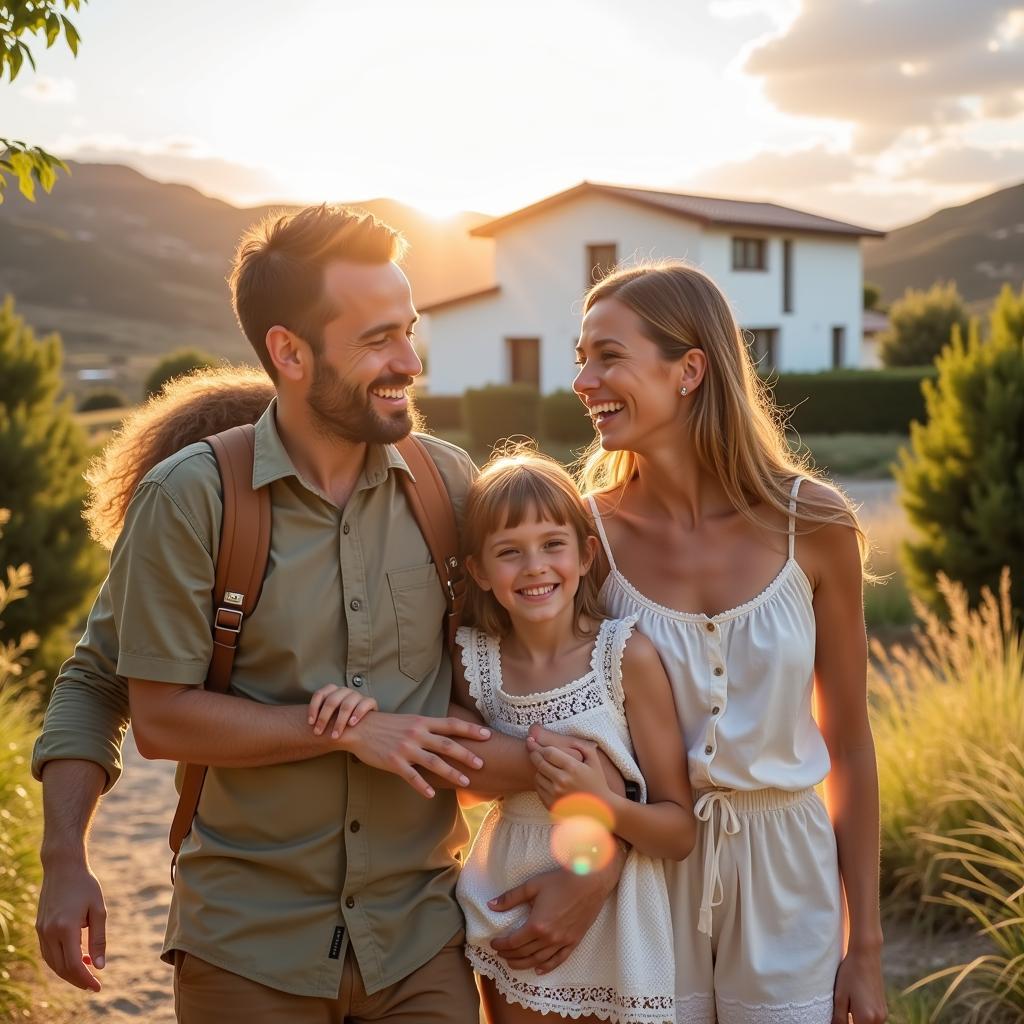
column 241, row 565
column 432, row 508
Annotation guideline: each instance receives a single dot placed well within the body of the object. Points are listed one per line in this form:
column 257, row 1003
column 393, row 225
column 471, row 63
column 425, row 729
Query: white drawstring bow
column 728, row 825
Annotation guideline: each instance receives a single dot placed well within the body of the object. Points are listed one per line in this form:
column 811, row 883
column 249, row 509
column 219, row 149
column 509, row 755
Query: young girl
column 541, row 652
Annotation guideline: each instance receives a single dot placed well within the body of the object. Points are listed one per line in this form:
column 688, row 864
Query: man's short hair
column 277, row 277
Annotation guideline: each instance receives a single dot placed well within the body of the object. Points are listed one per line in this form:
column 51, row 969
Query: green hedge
column 563, row 418
column 493, row 413
column 105, row 398
column 441, row 412
column 856, row 401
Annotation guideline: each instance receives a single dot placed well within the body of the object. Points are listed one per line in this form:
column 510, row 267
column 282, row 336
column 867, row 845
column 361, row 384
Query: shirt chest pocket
column 419, row 611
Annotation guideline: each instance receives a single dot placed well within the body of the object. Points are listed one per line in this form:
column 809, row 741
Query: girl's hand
column 859, row 990
column 560, row 773
column 348, row 705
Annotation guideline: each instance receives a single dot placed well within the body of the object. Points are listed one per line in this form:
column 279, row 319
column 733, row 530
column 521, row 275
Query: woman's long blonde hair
column 736, row 429
column 188, row 409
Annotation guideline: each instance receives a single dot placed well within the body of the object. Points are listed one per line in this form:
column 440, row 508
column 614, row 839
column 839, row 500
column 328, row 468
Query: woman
column 746, row 573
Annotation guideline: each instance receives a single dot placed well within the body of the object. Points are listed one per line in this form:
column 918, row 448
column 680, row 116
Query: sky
column 873, row 111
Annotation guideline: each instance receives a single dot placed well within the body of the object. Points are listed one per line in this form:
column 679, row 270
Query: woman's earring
column 683, row 390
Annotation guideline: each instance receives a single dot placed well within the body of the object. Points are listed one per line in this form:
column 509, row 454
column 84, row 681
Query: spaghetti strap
column 600, row 530
column 792, row 516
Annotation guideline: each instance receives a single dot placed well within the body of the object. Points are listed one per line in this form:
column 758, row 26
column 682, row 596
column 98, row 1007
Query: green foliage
column 20, row 820
column 102, row 398
column 962, row 480
column 177, row 364
column 563, row 418
column 44, row 19
column 920, row 325
column 959, row 687
column 872, row 295
column 441, row 412
column 852, row 401
column 495, row 412
column 42, row 457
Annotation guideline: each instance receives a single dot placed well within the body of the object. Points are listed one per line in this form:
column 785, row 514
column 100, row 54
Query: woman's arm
column 664, row 826
column 832, row 557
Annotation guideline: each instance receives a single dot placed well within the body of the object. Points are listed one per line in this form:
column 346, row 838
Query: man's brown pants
column 442, row 991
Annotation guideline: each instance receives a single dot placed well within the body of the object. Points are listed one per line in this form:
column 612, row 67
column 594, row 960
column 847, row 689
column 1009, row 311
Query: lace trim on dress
column 698, row 1008
column 545, row 707
column 813, row 1011
column 573, row 1001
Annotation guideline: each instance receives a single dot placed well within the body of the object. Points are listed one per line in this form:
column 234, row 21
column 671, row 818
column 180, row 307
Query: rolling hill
column 127, row 268
column 980, row 245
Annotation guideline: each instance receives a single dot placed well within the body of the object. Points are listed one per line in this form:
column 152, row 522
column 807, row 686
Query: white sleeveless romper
column 756, row 907
column 623, row 968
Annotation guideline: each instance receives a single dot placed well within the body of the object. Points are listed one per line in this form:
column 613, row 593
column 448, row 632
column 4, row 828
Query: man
column 317, row 881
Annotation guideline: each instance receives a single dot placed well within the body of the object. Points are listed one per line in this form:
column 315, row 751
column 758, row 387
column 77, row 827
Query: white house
column 793, row 278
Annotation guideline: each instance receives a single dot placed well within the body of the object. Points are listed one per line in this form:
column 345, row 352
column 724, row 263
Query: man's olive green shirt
column 287, row 865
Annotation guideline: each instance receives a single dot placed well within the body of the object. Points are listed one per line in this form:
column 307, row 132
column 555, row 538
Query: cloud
column 44, row 89
column 775, row 171
column 892, row 65
column 877, row 192
column 179, row 159
column 956, row 165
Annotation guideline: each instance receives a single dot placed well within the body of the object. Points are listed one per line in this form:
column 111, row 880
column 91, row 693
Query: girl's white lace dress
column 623, row 970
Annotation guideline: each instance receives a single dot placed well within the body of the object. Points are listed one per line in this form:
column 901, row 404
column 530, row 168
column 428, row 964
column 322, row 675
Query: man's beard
column 341, row 410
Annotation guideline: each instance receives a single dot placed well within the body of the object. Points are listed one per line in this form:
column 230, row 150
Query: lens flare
column 581, row 840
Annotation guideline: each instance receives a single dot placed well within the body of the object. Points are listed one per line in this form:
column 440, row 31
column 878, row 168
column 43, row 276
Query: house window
column 787, row 276
column 524, row 361
column 601, row 260
column 749, row 254
column 763, row 343
column 838, row 347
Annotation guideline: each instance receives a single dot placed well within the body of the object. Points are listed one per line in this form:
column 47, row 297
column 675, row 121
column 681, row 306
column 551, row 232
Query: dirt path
column 130, row 855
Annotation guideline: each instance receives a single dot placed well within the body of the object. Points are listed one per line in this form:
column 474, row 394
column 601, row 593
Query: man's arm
column 70, row 899
column 187, row 723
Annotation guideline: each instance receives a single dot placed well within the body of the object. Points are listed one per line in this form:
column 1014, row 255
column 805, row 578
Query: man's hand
column 563, row 906
column 71, row 900
column 401, row 743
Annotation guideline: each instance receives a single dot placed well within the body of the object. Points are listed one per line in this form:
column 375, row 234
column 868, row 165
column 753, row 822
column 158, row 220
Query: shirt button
column 710, row 627
column 350, row 902
column 355, row 604
column 345, row 529
column 354, row 827
column 719, row 671
column 358, row 680
column 708, row 749
column 715, row 710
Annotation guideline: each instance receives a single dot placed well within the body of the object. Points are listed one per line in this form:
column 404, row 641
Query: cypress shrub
column 42, row 458
column 962, row 480
column 497, row 411
column 440, row 412
column 564, row 418
column 853, row 401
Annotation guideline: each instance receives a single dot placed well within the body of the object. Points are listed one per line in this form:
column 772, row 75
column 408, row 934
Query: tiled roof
column 704, row 209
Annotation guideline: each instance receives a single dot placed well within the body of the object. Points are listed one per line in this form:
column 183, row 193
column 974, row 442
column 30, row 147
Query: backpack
column 242, row 564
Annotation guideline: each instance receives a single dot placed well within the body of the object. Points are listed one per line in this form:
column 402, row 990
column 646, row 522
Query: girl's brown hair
column 188, row 409
column 518, row 484
column 736, row 429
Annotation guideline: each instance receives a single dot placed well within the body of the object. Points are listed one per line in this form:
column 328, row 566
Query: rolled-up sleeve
column 87, row 716
column 161, row 583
